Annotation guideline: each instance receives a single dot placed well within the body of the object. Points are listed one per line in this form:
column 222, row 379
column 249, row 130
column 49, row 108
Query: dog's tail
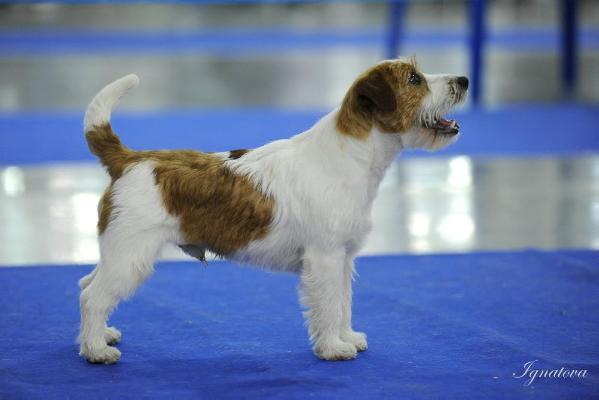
column 102, row 141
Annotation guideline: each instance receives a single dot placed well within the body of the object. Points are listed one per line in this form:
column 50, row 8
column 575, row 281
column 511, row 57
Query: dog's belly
column 279, row 251
column 273, row 252
column 283, row 249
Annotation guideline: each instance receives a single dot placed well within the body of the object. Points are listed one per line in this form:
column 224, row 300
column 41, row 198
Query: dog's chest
column 318, row 222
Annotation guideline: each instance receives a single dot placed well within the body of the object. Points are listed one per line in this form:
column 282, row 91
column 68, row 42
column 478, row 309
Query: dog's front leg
column 348, row 335
column 322, row 293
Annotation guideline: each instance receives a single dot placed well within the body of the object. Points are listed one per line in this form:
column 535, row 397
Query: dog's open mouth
column 443, row 126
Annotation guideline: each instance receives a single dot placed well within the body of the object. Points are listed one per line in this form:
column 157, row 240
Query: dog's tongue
column 447, row 126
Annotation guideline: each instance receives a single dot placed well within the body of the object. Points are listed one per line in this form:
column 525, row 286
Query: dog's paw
column 100, row 355
column 112, row 335
column 358, row 339
column 335, row 351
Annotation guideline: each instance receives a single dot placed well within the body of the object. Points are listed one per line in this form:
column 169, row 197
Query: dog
column 300, row 205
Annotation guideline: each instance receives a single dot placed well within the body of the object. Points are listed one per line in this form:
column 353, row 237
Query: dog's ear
column 374, row 92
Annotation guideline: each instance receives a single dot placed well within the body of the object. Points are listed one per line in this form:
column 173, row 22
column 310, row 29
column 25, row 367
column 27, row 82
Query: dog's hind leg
column 127, row 259
column 87, row 279
column 111, row 334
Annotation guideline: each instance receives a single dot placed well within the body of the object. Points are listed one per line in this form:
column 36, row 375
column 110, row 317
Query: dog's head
column 396, row 98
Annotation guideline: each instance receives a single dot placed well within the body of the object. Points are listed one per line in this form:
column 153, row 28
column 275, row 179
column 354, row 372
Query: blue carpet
column 525, row 130
column 444, row 326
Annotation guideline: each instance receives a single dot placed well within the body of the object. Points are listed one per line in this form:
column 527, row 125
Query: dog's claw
column 358, row 339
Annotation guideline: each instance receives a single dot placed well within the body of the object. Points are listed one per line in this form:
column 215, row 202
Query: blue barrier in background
column 477, row 32
column 523, row 130
column 569, row 46
column 238, row 41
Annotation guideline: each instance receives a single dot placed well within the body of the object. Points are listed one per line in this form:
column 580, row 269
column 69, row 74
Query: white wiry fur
column 98, row 111
column 323, row 184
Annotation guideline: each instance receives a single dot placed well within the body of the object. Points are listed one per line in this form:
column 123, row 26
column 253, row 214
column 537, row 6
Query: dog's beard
column 432, row 130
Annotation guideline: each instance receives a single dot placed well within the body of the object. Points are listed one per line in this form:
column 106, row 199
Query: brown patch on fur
column 105, row 210
column 383, row 96
column 108, row 147
column 218, row 209
column 235, row 154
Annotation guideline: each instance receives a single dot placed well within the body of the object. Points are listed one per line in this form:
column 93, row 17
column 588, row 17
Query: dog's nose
column 462, row 82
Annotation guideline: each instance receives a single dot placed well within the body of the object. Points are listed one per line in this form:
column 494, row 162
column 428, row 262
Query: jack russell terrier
column 300, row 205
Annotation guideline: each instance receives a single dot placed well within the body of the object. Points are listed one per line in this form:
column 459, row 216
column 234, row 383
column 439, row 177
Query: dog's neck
column 327, row 158
column 374, row 153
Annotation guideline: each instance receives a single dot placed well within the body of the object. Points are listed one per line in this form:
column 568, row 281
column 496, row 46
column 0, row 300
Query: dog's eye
column 414, row 79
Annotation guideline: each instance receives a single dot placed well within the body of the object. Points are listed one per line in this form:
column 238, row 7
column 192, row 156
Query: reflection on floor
column 424, row 206
column 48, row 211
